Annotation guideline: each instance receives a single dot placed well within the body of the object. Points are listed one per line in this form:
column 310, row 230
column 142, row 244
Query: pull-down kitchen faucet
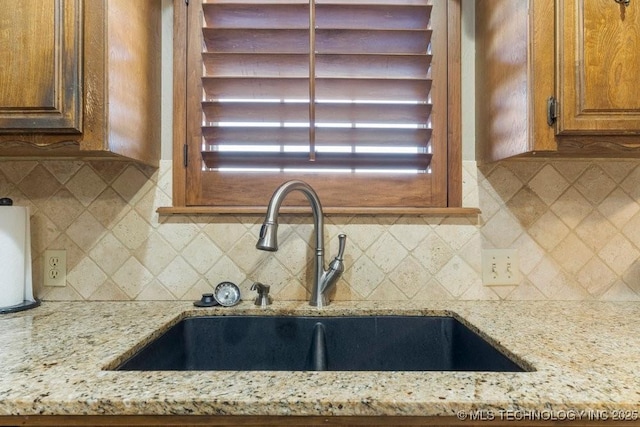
column 323, row 280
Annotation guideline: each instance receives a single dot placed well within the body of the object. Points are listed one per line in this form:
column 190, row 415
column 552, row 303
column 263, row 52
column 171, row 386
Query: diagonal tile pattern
column 576, row 225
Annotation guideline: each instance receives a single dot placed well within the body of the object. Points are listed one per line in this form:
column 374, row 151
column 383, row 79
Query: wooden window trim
column 454, row 146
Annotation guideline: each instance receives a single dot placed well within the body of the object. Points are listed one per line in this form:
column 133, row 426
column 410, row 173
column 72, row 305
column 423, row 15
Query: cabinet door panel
column 598, row 67
column 40, row 78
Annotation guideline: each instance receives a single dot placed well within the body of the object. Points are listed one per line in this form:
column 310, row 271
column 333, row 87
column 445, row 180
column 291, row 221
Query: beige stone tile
column 178, row 277
column 293, row 291
column 619, row 254
column 364, row 276
column 225, row 234
column 109, row 291
column 148, row 204
column 433, row 253
column 109, row 254
column 546, row 277
column 595, row 277
column 387, row 253
column 39, row 185
column 86, row 185
column 16, row 171
column 387, row 291
column 132, row 184
column 595, row 231
column 132, row 230
column 86, row 277
column 504, row 182
column 471, row 252
column 477, row 291
column 432, row 290
column 548, row 231
column 525, row 170
column 410, row 231
column 594, row 184
column 548, row 184
column 62, row 209
column 525, row 291
column 570, row 169
column 409, row 276
column 572, row 254
column 202, row 253
column 43, row 232
column 456, row 231
column 526, row 207
column 67, row 293
column 155, row 253
column 108, row 170
column 154, row 291
column 620, row 292
column 457, row 277
column 86, row 231
column 618, row 170
column 631, row 184
column 226, row 270
column 245, row 254
column 502, row 229
column 295, row 254
column 364, row 231
column 618, row 208
column 63, row 170
column 109, row 208
column 572, row 208
column 132, row 277
column 529, row 253
column 202, row 287
column 178, row 231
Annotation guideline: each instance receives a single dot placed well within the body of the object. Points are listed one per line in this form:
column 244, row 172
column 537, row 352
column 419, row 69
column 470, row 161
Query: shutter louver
column 370, row 92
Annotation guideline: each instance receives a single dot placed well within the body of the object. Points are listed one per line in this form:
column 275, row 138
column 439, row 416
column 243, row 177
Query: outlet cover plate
column 500, row 267
column 55, row 267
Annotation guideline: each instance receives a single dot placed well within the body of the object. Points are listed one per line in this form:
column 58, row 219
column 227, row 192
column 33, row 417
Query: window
column 359, row 98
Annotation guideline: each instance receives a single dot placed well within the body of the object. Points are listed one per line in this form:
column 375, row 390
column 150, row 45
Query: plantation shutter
column 348, row 95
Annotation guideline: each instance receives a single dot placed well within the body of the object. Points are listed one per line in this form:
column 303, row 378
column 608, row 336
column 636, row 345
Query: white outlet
column 500, row 267
column 55, row 267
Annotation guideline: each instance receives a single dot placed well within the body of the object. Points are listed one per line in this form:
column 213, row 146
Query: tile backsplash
column 575, row 224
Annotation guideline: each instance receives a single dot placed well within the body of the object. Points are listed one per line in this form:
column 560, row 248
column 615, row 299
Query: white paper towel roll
column 15, row 254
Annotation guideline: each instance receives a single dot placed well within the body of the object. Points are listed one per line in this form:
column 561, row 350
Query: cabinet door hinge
column 552, row 110
column 185, row 155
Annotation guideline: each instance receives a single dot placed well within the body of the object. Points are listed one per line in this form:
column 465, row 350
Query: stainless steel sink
column 287, row 343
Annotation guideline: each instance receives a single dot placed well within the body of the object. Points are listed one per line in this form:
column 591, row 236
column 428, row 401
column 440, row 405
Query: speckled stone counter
column 586, row 357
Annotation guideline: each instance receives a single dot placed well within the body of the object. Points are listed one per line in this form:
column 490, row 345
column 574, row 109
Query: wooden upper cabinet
column 80, row 78
column 557, row 78
column 40, row 81
column 598, row 67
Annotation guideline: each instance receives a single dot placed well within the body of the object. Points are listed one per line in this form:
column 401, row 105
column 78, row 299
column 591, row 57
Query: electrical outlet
column 500, row 267
column 55, row 267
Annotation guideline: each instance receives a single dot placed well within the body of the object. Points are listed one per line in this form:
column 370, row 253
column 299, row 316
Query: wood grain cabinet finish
column 582, row 54
column 82, row 81
column 40, row 80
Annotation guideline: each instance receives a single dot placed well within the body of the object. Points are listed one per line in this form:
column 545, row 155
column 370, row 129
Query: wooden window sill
column 253, row 210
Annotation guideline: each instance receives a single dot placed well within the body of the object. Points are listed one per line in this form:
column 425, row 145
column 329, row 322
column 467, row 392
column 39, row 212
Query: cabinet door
column 598, row 60
column 40, row 78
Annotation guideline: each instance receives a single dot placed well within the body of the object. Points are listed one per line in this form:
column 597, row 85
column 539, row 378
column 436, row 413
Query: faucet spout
column 324, row 280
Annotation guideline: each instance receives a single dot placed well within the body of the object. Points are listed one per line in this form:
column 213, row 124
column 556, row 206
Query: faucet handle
column 342, row 243
column 263, row 299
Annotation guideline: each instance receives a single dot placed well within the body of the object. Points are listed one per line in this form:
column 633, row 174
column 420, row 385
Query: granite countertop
column 585, row 356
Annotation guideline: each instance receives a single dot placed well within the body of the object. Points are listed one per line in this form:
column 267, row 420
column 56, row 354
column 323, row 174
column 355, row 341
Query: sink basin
column 287, row 343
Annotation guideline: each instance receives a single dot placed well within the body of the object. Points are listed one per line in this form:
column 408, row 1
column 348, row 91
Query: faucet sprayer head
column 268, row 240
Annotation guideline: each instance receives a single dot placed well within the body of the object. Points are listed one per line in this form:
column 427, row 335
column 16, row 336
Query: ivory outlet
column 500, row 267
column 55, row 267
